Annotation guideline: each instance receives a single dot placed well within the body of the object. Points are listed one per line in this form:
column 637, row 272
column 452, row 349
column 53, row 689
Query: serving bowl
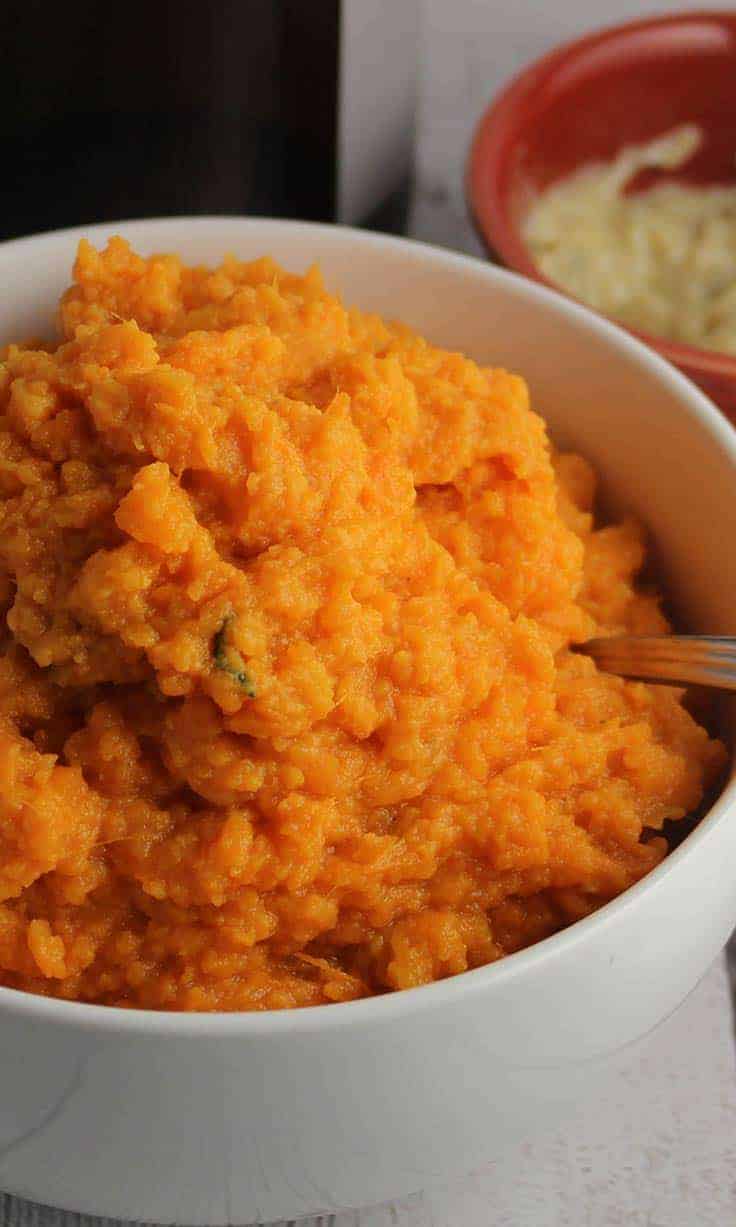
column 210, row 1119
column 583, row 102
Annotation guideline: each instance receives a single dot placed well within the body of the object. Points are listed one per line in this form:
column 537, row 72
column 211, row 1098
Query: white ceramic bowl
column 252, row 1117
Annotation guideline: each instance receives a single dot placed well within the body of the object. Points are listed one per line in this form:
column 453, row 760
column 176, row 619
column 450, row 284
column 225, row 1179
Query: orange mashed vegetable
column 288, row 713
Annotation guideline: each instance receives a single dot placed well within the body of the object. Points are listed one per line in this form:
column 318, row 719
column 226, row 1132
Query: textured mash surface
column 287, row 710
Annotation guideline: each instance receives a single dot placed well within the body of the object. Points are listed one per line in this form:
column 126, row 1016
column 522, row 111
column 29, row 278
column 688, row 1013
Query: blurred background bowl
column 583, row 102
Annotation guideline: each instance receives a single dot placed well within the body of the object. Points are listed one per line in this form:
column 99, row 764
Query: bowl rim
column 486, row 201
column 385, row 1008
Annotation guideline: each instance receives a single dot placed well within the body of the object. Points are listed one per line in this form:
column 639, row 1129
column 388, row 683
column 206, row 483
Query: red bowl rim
column 486, row 200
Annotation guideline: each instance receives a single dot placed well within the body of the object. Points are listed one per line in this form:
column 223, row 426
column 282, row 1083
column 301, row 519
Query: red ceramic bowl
column 583, row 102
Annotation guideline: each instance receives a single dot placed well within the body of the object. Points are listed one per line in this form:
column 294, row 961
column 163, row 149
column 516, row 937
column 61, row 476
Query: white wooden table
column 659, row 1150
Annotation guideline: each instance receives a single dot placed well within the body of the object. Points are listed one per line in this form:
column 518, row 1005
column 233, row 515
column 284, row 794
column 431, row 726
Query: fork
column 684, row 660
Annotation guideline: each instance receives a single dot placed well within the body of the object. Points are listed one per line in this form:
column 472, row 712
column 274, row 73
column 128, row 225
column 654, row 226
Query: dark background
column 114, row 111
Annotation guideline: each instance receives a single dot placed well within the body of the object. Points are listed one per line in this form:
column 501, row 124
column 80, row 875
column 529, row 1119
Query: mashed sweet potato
column 287, row 709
